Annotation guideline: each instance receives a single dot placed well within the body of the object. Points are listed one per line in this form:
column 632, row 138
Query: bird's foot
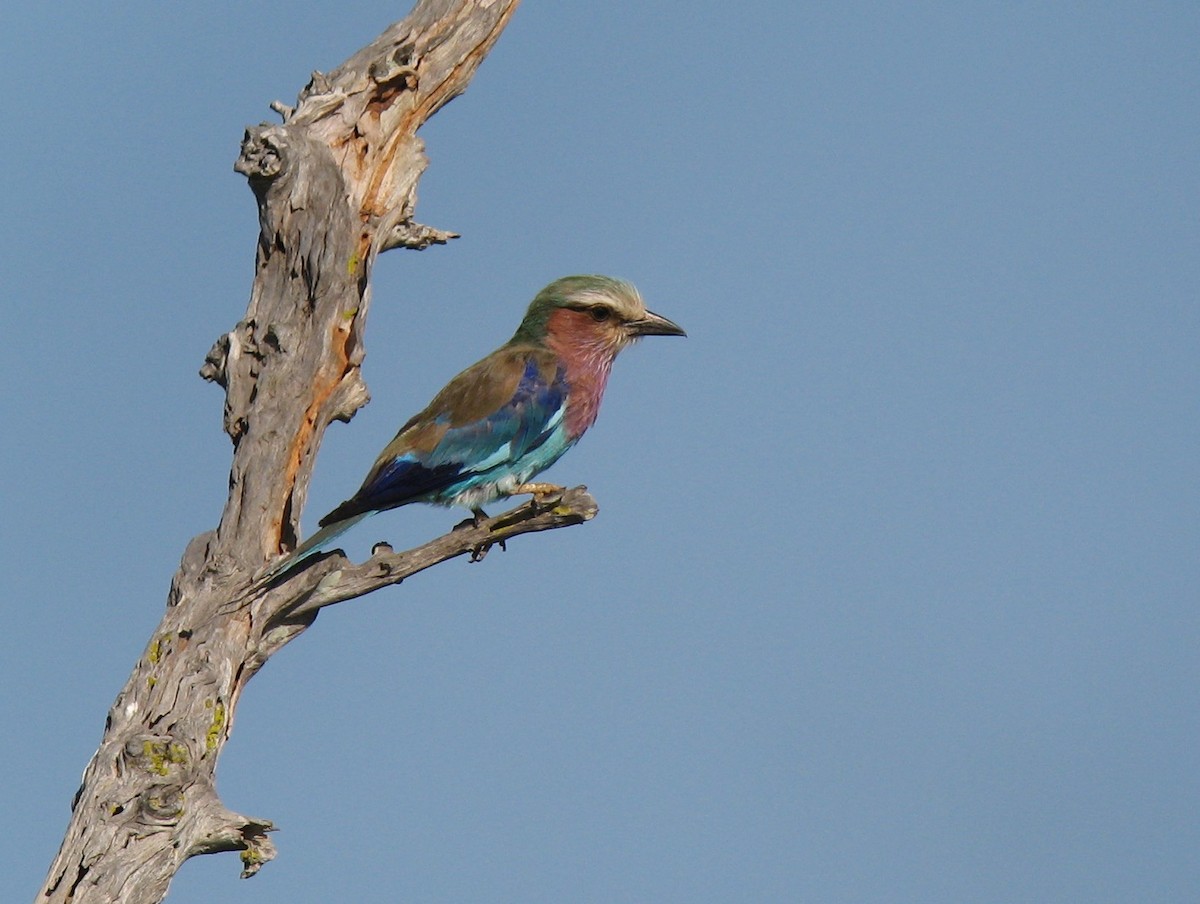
column 544, row 494
column 481, row 550
column 539, row 489
column 478, row 516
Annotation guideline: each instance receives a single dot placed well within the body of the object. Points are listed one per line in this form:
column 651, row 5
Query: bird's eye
column 599, row 313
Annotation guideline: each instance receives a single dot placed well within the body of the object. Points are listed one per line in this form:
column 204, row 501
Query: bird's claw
column 539, row 504
column 545, row 495
column 478, row 516
column 478, row 553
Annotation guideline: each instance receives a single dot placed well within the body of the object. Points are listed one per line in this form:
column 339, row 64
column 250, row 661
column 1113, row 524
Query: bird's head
column 598, row 314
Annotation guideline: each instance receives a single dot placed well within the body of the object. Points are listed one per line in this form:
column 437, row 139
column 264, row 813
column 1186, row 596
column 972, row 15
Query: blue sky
column 893, row 592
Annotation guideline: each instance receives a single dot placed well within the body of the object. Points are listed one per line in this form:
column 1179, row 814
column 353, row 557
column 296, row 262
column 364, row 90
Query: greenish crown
column 574, row 292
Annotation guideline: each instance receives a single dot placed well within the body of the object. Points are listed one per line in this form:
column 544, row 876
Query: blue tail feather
column 316, row 543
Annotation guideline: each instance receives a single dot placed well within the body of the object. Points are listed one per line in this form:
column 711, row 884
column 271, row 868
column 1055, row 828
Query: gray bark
column 335, row 185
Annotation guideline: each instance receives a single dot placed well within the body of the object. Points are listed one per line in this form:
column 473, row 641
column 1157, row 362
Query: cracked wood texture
column 335, row 185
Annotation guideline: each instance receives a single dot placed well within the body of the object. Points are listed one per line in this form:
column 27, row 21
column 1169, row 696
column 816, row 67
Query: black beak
column 654, row 325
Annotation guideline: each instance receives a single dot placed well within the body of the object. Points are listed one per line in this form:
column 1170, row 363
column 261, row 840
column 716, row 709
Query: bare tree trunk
column 336, row 185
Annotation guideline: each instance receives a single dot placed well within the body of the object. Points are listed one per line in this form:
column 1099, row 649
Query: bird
column 508, row 417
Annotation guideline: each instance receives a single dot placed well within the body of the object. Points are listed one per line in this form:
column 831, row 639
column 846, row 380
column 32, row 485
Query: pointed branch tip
column 285, row 112
column 416, row 236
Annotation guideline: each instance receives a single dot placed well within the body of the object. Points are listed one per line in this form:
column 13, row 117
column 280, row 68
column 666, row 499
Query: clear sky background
column 893, row 592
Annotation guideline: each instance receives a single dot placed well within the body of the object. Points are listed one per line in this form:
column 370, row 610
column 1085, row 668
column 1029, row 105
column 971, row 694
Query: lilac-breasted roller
column 507, row 418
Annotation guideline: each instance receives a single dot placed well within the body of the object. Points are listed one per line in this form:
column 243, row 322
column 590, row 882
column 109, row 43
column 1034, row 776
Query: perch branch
column 333, row 579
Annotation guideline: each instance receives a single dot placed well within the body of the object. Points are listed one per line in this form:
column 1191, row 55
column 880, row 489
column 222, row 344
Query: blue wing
column 472, row 462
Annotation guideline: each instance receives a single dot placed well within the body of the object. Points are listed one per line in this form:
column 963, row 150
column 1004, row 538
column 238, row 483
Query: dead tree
column 335, row 185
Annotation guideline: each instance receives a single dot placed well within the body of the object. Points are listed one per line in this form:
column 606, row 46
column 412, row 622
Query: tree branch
column 335, row 184
column 333, row 579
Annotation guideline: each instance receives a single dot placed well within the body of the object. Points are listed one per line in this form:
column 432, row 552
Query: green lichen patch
column 158, row 648
column 213, row 736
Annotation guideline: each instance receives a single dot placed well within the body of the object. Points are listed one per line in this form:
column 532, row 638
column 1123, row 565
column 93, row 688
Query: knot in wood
column 318, row 83
column 161, row 804
column 397, row 66
column 213, row 369
column 263, row 153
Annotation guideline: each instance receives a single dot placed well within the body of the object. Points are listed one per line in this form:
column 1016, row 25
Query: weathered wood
column 336, row 185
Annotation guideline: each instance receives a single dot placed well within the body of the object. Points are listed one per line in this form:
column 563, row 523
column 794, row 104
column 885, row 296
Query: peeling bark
column 335, row 185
